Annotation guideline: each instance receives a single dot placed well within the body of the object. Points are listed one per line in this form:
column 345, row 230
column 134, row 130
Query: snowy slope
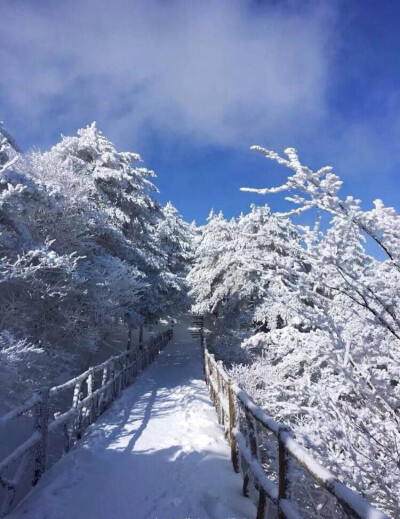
column 157, row 453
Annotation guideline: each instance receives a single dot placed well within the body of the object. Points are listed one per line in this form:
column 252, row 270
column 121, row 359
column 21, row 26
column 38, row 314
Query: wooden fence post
column 113, row 383
column 119, row 376
column 252, row 439
column 67, row 438
column 218, row 403
column 262, row 501
column 42, row 424
column 284, row 477
column 126, row 371
column 209, row 377
column 92, row 404
column 79, row 418
column 252, row 434
column 232, row 423
column 105, row 375
column 103, row 399
column 204, row 359
column 214, row 397
column 75, row 403
column 205, row 367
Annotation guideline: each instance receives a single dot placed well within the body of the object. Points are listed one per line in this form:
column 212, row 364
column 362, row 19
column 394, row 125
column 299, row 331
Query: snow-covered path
column 156, row 453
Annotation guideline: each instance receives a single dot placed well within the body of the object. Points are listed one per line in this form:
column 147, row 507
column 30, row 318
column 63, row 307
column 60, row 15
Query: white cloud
column 223, row 72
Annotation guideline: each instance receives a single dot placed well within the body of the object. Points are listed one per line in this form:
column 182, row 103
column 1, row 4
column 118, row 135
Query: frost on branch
column 320, row 190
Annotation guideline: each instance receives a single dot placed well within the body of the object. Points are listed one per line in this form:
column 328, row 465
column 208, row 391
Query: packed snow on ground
column 158, row 452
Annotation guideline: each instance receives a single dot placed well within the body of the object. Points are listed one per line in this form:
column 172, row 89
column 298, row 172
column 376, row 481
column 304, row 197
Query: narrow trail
column 156, row 453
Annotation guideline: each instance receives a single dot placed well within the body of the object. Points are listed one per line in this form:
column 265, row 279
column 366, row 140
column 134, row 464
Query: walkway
column 156, row 453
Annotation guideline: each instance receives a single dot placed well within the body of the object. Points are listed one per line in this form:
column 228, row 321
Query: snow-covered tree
column 320, row 189
column 338, row 381
column 176, row 241
column 85, row 247
column 210, row 275
column 34, row 279
column 31, row 272
column 101, row 196
column 317, row 320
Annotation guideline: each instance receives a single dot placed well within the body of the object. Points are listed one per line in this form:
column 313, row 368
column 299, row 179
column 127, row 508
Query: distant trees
column 84, row 246
column 209, row 278
column 176, row 239
column 233, row 276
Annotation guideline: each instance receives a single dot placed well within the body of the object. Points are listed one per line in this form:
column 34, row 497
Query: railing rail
column 231, row 401
column 91, row 396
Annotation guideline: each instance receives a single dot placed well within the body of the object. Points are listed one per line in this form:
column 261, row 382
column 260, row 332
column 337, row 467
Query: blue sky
column 191, row 84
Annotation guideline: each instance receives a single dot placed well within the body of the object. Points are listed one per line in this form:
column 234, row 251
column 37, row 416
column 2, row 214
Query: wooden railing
column 246, row 426
column 91, row 393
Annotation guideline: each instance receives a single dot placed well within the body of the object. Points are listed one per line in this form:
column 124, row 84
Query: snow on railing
column 92, row 392
column 242, row 420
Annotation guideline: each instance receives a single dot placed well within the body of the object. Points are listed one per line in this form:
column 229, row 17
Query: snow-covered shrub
column 19, row 367
column 25, row 367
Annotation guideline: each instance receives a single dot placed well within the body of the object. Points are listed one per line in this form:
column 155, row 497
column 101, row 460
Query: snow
column 306, row 460
column 156, row 453
column 256, row 411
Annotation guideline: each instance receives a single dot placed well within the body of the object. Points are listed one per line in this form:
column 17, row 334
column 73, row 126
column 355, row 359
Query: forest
column 306, row 318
